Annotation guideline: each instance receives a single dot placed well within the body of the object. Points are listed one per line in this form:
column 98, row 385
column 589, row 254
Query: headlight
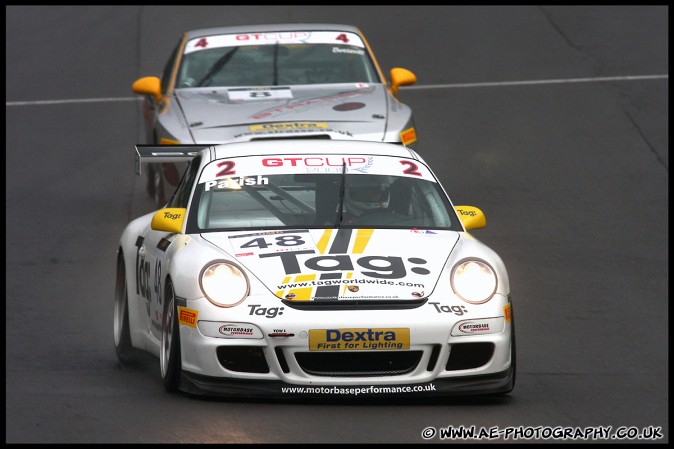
column 224, row 284
column 474, row 281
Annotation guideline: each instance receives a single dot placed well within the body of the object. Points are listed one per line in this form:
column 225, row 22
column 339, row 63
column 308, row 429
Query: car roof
column 268, row 28
column 312, row 146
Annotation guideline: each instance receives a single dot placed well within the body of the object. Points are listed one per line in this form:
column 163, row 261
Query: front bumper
column 279, row 360
column 497, row 383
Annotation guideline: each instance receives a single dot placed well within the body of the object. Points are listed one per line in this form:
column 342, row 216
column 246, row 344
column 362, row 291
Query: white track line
column 431, row 86
column 526, row 83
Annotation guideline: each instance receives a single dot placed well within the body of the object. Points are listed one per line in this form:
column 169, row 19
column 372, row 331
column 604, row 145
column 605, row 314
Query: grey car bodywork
column 316, row 101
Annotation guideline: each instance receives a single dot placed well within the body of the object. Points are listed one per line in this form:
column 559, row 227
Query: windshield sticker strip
column 341, row 38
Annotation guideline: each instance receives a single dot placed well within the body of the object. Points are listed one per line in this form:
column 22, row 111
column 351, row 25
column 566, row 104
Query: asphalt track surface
column 552, row 119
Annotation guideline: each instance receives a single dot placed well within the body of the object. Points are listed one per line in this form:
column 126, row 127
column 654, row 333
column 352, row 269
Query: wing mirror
column 150, row 85
column 471, row 217
column 401, row 77
column 169, row 220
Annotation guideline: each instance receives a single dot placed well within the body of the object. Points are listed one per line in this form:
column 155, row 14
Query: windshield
column 272, row 59
column 317, row 200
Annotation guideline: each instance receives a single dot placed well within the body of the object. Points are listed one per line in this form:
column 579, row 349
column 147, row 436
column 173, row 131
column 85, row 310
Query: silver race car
column 313, row 268
column 233, row 84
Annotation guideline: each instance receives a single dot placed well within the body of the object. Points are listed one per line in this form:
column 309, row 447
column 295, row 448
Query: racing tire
column 125, row 350
column 169, row 356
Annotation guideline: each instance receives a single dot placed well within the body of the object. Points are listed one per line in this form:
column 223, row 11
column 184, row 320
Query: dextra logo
column 380, row 267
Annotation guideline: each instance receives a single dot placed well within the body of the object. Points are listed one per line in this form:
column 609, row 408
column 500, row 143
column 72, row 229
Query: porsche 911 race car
column 313, row 268
column 233, row 84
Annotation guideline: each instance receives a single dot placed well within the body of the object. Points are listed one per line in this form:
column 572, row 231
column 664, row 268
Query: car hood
column 344, row 264
column 239, row 114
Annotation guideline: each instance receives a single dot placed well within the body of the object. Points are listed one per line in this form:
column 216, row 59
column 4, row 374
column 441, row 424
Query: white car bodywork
column 328, row 309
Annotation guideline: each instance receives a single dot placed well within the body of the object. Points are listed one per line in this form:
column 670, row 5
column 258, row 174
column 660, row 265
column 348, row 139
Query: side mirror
column 471, row 217
column 169, row 220
column 401, row 77
column 150, row 85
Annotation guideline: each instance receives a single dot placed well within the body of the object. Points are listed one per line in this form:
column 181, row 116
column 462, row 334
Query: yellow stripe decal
column 322, row 244
column 362, row 239
column 305, row 277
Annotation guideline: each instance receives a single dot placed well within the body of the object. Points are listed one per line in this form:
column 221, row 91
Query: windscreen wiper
column 218, row 65
column 340, row 211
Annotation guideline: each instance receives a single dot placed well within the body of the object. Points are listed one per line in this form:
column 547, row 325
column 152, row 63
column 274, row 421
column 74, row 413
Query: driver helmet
column 366, row 192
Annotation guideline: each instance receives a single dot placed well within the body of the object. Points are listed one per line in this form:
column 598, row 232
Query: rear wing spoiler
column 156, row 154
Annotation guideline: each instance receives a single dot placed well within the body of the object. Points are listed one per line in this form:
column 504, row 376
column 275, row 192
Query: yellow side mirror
column 169, row 220
column 401, row 77
column 471, row 217
column 150, row 85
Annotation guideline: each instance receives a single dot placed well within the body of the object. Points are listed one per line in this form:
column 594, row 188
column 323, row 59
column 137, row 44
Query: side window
column 168, row 69
column 182, row 194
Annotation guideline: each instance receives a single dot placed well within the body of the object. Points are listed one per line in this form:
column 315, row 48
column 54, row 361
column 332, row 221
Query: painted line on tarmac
column 80, row 100
column 529, row 83
column 429, row 86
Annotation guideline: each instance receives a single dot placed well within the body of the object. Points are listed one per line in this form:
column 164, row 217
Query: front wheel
column 169, row 357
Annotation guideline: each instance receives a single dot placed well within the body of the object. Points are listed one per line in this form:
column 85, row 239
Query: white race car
column 313, row 268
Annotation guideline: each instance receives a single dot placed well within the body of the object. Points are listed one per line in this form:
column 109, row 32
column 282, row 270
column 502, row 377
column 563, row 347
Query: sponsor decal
column 219, row 329
column 254, row 166
column 419, row 231
column 470, row 327
column 188, row 317
column 288, row 126
column 408, row 136
column 276, row 37
column 314, row 161
column 481, row 326
column 350, row 51
column 236, row 330
column 359, row 339
column 469, row 213
column 172, row 216
column 267, row 312
column 285, row 132
column 456, row 310
column 353, row 288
